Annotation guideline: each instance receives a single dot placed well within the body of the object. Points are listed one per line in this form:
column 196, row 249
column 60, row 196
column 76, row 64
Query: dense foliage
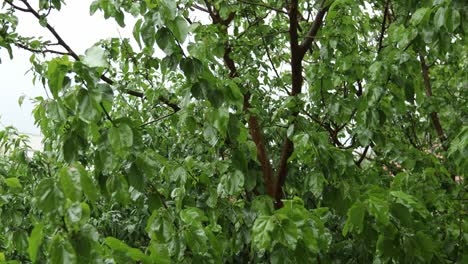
column 243, row 131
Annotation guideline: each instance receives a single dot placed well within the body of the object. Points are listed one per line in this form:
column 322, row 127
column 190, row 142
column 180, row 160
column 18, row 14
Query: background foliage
column 266, row 132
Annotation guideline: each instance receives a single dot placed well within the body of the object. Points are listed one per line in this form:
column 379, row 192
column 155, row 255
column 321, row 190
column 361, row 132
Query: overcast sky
column 77, row 28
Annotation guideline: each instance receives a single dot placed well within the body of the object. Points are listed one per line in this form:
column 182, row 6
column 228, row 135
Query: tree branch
column 363, row 156
column 17, row 7
column 434, row 116
column 157, row 119
column 382, row 31
column 316, row 25
column 255, row 130
column 106, row 113
column 273, row 65
column 52, row 30
column 297, row 55
column 195, row 6
column 43, row 51
column 265, row 6
column 70, row 52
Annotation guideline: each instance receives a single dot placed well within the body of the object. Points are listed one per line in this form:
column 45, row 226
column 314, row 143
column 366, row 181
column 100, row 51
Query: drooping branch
column 17, row 7
column 428, row 89
column 52, row 30
column 69, row 51
column 43, row 51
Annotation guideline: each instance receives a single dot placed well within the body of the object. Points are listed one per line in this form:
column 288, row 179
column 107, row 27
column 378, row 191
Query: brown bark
column 297, row 54
column 428, row 89
column 255, row 130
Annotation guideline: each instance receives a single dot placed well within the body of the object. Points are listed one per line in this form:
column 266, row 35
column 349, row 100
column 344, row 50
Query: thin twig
column 43, row 51
column 382, row 31
column 70, row 52
column 157, row 119
column 428, row 89
column 273, row 66
column 195, row 6
column 17, row 7
column 106, row 113
column 363, row 156
column 265, row 6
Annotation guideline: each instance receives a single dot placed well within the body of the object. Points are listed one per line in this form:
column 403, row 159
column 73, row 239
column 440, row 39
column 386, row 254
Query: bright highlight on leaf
column 95, row 57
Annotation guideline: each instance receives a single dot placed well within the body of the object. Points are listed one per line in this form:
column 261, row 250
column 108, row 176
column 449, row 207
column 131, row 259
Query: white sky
column 77, row 28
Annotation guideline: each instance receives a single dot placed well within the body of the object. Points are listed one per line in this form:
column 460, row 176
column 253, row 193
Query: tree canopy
column 243, row 131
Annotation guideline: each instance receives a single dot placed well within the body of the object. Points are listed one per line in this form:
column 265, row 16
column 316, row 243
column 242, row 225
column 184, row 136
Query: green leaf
column 61, row 251
column 166, row 41
column 57, row 4
column 160, row 227
column 95, row 57
column 196, row 239
column 167, row 10
column 88, row 186
column 262, row 232
column 453, row 19
column 70, row 180
column 35, row 241
column 136, row 177
column 21, row 99
column 378, row 208
column 13, row 183
column 239, row 161
column 49, row 197
column 286, row 233
column 160, row 253
column 133, row 253
column 179, row 28
column 86, row 108
column 70, row 148
column 192, row 68
column 315, row 183
column 137, row 32
column 93, row 7
column 439, row 18
column 231, row 184
column 418, row 16
column 410, row 202
column 355, row 220
column 148, row 33
column 56, row 72
column 290, row 131
column 121, row 137
column 193, row 216
column 120, row 18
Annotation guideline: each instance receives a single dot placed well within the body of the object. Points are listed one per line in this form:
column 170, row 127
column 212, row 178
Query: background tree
column 279, row 132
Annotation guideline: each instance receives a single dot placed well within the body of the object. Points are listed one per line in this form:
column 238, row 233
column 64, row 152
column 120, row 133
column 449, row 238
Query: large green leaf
column 35, row 241
column 355, row 220
column 61, row 251
column 70, row 180
column 262, row 232
column 120, row 246
column 49, row 196
column 121, row 137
